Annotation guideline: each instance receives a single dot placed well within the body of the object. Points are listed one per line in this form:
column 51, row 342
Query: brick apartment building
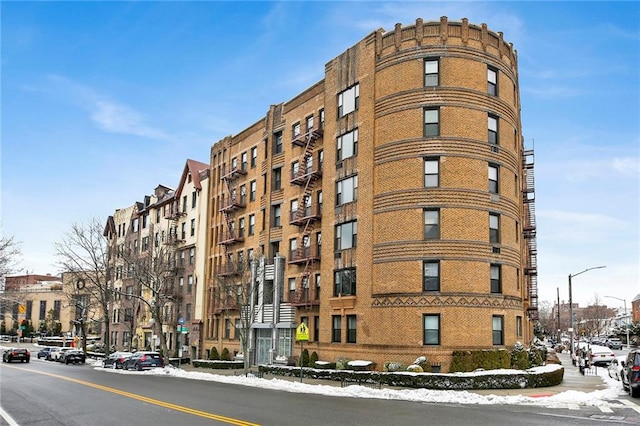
column 408, row 157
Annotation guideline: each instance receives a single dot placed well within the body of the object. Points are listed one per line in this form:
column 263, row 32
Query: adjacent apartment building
column 390, row 206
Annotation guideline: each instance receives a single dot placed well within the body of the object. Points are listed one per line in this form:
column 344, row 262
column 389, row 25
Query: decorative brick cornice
column 448, row 300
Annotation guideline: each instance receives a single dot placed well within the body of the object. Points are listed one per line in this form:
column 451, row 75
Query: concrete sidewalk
column 572, row 380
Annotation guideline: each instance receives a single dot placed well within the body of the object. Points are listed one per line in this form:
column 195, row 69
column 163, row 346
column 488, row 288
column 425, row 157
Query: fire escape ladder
column 529, row 233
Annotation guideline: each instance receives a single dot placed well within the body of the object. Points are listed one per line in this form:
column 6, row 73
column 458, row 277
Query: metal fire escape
column 231, row 202
column 305, row 173
column 529, row 233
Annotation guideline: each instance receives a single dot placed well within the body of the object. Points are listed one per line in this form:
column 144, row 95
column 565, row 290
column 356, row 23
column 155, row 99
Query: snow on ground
column 600, row 398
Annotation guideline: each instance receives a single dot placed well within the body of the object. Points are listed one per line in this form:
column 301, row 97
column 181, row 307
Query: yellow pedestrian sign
column 22, row 309
column 302, row 332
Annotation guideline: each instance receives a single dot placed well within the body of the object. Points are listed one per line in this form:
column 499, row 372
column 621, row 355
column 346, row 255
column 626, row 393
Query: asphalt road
column 48, row 393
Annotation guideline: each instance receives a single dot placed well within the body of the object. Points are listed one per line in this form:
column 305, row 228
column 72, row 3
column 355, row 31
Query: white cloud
column 107, row 115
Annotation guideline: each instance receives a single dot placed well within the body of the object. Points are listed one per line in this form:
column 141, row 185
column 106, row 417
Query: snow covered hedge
column 217, row 364
column 549, row 375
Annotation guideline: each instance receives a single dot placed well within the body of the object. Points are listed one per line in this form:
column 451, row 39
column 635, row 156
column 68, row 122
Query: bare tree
column 9, row 254
column 592, row 321
column 154, row 272
column 546, row 318
column 237, row 298
column 83, row 255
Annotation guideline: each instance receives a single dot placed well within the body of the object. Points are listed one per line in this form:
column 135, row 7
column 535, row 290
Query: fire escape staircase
column 306, row 216
column 529, row 233
column 229, row 204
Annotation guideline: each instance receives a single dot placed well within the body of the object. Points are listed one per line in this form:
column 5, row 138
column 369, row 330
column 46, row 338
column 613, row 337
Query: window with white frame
column 252, row 224
column 276, row 213
column 252, row 190
column 244, row 162
column 518, row 326
column 347, row 190
column 309, row 123
column 431, row 72
column 254, row 156
column 349, row 100
column 431, row 172
column 285, row 342
column 431, row 329
column 346, row 235
column 431, row 122
column 347, row 145
column 295, row 130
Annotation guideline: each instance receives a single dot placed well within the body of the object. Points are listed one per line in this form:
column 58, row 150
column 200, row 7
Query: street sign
column 302, row 332
column 22, row 309
column 182, row 329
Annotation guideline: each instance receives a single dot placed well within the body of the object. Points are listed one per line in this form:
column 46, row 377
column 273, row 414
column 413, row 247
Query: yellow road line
column 175, row 407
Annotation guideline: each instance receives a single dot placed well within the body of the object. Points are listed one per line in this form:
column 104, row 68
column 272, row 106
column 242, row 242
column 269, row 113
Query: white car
column 56, row 353
column 600, row 355
column 616, row 366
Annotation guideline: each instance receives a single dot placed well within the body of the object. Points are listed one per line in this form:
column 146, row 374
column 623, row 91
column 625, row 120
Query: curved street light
column 571, row 303
column 626, row 323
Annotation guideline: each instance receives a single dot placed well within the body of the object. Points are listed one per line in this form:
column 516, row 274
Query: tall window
column 309, row 123
column 295, row 130
column 57, row 305
column 194, row 199
column 285, row 342
column 336, row 328
column 277, row 143
column 252, row 224
column 192, row 256
column 187, row 312
column 496, row 281
column 276, row 212
column 431, row 329
column 241, row 227
column 349, row 100
column 431, row 122
column 431, row 72
column 492, row 128
column 184, row 202
column 276, row 182
column 346, row 235
column 494, row 228
column 192, row 231
column 494, row 174
column 252, row 190
column 518, row 326
column 43, row 310
column 346, row 190
column 492, row 81
column 351, row 329
column 431, row 275
column 431, row 224
column 344, row 282
column 243, row 162
column 243, row 194
column 498, row 330
column 227, row 328
column 254, row 156
column 347, row 145
column 431, row 172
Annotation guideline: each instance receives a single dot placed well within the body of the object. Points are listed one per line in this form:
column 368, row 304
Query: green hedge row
column 459, row 381
column 218, row 364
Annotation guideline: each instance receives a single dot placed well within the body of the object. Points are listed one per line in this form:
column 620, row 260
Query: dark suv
column 631, row 373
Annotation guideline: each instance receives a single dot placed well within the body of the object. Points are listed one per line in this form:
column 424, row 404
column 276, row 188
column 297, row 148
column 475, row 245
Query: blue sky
column 103, row 101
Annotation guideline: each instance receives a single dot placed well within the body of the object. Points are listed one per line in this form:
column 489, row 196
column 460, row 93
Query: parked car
column 5, row 339
column 631, row 373
column 16, row 354
column 56, row 353
column 614, row 343
column 116, row 359
column 616, row 366
column 600, row 355
column 73, row 356
column 44, row 352
column 143, row 360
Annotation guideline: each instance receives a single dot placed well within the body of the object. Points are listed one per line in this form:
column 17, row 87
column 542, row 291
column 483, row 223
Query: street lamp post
column 571, row 304
column 626, row 325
